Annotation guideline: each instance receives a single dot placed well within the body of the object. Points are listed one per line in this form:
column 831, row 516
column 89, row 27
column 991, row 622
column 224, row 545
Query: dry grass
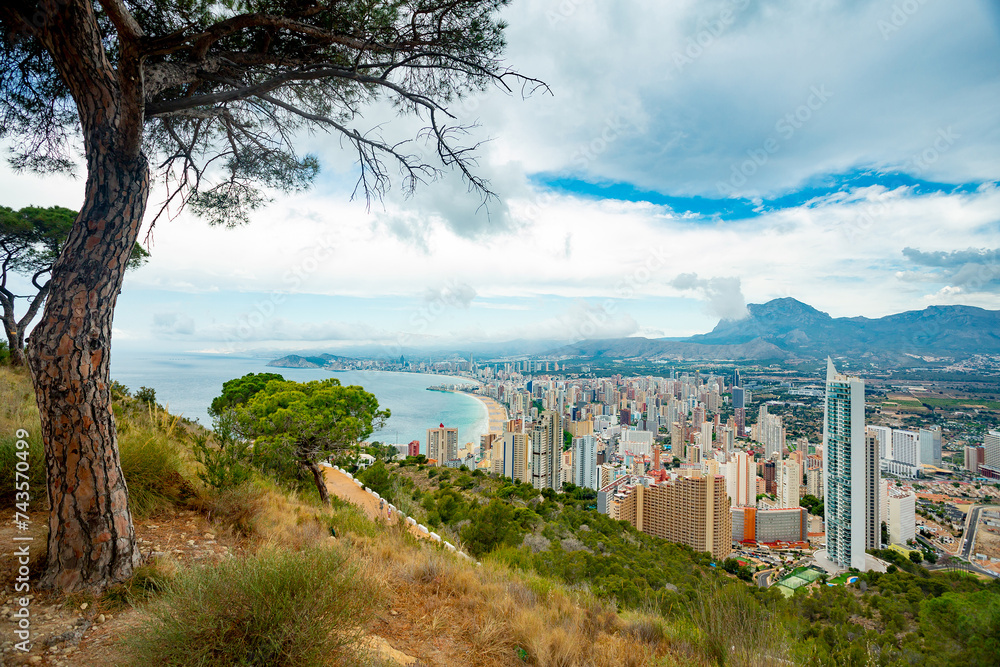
column 154, row 461
column 455, row 612
column 17, row 402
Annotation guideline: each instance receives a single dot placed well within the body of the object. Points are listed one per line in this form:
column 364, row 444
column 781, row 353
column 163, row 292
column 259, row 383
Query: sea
column 187, row 383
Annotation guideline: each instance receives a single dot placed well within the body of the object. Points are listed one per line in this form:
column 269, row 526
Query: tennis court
column 799, row 577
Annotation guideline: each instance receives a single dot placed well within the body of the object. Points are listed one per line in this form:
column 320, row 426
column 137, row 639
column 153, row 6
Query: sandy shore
column 498, row 413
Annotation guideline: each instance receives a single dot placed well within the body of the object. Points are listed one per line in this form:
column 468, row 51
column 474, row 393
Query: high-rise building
column 906, row 447
column 635, row 442
column 706, row 436
column 930, row 445
column 975, row 456
column 739, row 398
column 846, row 470
column 884, row 435
column 688, row 510
column 739, row 415
column 991, row 445
column 789, row 482
column 741, row 480
column 770, row 470
column 902, row 516
column 413, row 449
column 814, row 482
column 751, row 524
column 442, row 444
column 546, row 451
column 516, row 456
column 585, row 462
column 727, row 441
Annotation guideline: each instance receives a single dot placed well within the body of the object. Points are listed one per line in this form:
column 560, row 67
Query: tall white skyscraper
column 789, row 481
column 902, row 516
column 585, row 462
column 930, row 445
column 844, row 469
column 991, row 443
column 741, row 480
column 906, row 447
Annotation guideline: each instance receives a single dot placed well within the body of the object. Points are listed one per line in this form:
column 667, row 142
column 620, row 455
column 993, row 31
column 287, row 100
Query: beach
column 498, row 413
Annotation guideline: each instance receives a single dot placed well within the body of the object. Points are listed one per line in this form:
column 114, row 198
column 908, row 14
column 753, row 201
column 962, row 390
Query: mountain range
column 788, row 329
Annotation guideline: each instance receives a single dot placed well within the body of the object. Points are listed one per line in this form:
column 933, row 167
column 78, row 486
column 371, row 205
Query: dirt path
column 345, row 489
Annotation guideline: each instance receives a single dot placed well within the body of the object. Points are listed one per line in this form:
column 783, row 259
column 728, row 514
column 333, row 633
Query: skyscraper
column 845, row 469
column 741, row 480
column 991, row 447
column 442, row 444
column 873, row 495
column 930, row 445
column 516, row 457
column 688, row 510
column 546, row 451
column 789, row 482
column 585, row 461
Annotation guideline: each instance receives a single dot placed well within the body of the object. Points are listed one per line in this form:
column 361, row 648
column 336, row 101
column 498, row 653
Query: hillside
column 789, row 329
column 297, row 361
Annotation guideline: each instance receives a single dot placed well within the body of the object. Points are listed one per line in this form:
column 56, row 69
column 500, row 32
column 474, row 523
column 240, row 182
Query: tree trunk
column 15, row 342
column 91, row 538
column 320, row 479
column 15, row 339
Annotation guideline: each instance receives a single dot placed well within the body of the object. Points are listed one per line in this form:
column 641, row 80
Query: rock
column 84, row 606
column 101, row 618
column 209, row 536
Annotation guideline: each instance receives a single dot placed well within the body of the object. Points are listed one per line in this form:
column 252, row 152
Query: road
column 762, row 578
column 969, row 538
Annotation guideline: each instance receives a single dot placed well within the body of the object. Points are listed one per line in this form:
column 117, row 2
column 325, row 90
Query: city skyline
column 864, row 173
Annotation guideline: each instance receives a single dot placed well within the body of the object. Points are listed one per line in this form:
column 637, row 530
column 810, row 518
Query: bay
column 187, row 383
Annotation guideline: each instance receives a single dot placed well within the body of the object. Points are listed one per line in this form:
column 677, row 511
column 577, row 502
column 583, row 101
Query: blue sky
column 694, row 156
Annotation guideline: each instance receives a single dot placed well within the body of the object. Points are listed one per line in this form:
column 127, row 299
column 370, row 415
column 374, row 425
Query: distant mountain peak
column 789, row 327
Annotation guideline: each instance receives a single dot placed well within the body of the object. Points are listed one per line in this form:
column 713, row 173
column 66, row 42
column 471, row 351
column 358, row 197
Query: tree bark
column 15, row 339
column 91, row 537
column 15, row 342
column 324, row 493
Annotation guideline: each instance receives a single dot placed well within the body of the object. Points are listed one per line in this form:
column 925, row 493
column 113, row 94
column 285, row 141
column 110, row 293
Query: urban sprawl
column 800, row 481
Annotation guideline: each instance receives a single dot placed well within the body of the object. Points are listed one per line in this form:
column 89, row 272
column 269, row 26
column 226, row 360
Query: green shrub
column 146, row 395
column 224, row 461
column 276, row 608
column 152, row 468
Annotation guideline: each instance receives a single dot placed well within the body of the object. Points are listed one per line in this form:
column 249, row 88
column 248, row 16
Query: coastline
column 497, row 412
